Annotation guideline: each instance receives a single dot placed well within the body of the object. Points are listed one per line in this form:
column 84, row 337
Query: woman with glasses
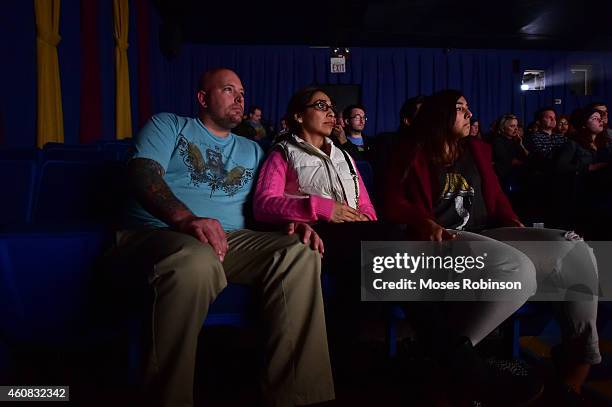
column 308, row 178
column 443, row 186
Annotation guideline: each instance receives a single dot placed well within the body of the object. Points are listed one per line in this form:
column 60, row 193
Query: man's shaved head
column 221, row 100
column 208, row 77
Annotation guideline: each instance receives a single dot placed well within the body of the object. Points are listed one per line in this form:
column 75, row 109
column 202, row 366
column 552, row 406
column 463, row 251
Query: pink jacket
column 273, row 206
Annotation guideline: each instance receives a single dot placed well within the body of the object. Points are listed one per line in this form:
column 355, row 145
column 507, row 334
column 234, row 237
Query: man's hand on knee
column 307, row 234
column 206, row 230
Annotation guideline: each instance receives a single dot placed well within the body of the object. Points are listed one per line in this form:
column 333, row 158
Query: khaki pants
column 186, row 276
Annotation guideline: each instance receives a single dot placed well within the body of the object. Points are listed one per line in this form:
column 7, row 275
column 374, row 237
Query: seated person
column 563, row 126
column 509, row 154
column 351, row 137
column 580, row 154
column 384, row 143
column 186, row 233
column 543, row 144
column 442, row 185
column 582, row 168
column 307, row 178
column 475, row 128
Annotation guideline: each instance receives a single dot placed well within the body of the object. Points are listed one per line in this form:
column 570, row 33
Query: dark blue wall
column 272, row 73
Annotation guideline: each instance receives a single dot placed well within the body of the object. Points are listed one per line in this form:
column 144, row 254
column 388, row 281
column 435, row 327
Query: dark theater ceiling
column 539, row 24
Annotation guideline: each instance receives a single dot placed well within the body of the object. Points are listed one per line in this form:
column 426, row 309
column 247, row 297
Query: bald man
column 186, row 232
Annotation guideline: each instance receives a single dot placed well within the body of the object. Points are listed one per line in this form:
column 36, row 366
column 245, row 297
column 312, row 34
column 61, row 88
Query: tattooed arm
column 146, row 180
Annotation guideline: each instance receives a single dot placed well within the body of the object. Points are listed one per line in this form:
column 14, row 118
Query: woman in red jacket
column 443, row 186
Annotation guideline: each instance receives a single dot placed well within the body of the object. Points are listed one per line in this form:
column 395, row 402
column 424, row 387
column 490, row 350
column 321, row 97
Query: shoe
column 512, row 383
column 565, row 396
column 493, row 382
column 562, row 393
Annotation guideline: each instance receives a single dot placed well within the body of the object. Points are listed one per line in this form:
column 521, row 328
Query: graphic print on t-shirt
column 458, row 189
column 211, row 169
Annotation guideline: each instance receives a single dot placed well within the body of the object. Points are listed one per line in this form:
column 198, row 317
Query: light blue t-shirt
column 211, row 175
column 358, row 141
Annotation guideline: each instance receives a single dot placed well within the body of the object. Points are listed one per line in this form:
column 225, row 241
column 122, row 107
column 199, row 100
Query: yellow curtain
column 49, row 116
column 123, row 116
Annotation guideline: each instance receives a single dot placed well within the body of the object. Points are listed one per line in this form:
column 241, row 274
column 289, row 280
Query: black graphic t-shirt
column 460, row 204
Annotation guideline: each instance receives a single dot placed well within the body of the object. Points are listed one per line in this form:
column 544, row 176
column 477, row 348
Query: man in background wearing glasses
column 355, row 119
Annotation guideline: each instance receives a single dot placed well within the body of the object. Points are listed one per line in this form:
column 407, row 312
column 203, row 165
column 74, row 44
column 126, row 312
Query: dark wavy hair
column 433, row 127
column 297, row 104
column 578, row 119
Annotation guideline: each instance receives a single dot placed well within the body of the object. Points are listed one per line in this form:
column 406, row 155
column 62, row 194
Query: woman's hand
column 516, row 223
column 344, row 213
column 597, row 166
column 430, row 230
column 363, row 218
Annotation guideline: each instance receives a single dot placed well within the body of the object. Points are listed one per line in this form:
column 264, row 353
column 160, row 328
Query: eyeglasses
column 602, row 112
column 322, row 106
column 359, row 117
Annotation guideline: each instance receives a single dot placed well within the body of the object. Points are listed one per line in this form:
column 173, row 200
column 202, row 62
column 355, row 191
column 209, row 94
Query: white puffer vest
column 319, row 174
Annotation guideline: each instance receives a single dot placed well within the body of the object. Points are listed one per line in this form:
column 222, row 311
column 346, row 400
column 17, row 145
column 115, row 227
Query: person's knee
column 512, row 265
column 525, row 273
column 306, row 255
column 193, row 268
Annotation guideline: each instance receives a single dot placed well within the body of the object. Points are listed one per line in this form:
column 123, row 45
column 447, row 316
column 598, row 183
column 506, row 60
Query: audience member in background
column 354, row 118
column 283, row 130
column 475, row 128
column 284, row 127
column 253, row 128
column 509, row 154
column 544, row 141
column 532, row 128
column 603, row 141
column 409, row 111
column 254, row 120
column 563, row 125
column 521, row 131
column 581, row 171
column 543, row 144
column 191, row 178
column 442, row 185
column 580, row 154
column 491, row 133
column 603, row 109
column 384, row 143
column 338, row 134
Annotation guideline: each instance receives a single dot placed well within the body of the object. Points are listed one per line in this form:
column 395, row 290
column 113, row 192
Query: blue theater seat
column 78, row 191
column 20, row 153
column 72, row 152
column 45, row 284
column 17, row 178
column 118, row 150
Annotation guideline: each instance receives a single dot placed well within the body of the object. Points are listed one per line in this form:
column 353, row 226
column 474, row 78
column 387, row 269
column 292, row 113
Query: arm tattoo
column 146, row 179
